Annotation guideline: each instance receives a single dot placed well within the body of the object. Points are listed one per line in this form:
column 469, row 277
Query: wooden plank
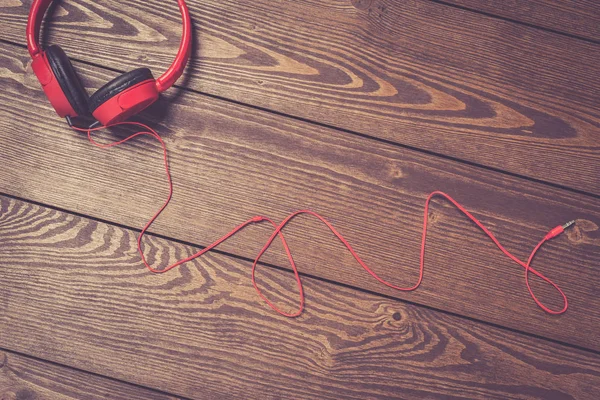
column 230, row 163
column 27, row 378
column 574, row 17
column 414, row 72
column 72, row 293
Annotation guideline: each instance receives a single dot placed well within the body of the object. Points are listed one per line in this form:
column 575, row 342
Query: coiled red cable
column 277, row 232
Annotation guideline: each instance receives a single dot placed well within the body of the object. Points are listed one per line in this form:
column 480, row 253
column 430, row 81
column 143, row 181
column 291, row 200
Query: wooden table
column 356, row 109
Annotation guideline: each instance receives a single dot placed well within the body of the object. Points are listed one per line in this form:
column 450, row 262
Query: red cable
column 278, row 232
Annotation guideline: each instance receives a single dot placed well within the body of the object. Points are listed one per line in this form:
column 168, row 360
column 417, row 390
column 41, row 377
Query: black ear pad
column 67, row 79
column 118, row 85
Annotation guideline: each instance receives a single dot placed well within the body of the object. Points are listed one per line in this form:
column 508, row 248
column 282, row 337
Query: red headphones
column 116, row 101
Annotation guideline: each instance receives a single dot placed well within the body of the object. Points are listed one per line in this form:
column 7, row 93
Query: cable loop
column 277, row 232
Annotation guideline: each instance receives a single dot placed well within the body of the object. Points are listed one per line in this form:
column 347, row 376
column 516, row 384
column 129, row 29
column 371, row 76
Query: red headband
column 166, row 80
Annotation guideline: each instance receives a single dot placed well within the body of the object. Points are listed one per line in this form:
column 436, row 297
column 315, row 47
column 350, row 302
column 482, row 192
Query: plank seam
column 515, row 21
column 310, row 276
column 354, row 133
column 35, row 358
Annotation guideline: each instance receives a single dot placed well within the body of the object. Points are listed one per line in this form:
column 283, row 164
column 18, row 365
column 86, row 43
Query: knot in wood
column 19, row 394
column 362, row 4
column 432, row 217
column 396, row 171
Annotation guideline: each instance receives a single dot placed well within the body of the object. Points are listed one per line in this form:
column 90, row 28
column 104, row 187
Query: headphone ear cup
column 124, row 96
column 68, row 80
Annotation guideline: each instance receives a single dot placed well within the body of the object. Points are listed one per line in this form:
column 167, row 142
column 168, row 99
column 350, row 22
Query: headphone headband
column 165, row 81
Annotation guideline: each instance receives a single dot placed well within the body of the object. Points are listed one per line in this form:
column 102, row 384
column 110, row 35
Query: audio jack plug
column 558, row 230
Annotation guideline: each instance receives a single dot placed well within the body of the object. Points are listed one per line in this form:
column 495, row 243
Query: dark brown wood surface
column 230, row 163
column 25, row 378
column 78, row 296
column 417, row 73
column 356, row 109
column 580, row 18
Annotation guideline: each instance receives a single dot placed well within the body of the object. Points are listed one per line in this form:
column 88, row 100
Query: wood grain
column 25, row 378
column 574, row 17
column 230, row 163
column 415, row 72
column 74, row 294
